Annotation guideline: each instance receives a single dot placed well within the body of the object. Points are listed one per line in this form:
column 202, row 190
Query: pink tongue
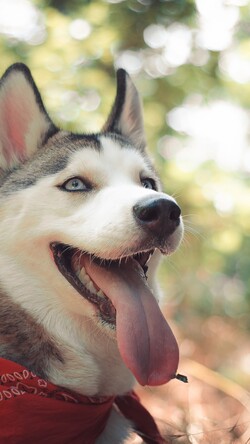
column 145, row 340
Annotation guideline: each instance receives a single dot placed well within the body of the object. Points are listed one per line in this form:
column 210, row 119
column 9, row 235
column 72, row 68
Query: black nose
column 160, row 215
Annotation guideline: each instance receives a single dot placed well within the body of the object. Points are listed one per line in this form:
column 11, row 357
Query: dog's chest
column 94, row 369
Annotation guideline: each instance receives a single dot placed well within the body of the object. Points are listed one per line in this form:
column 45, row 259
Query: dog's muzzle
column 123, row 299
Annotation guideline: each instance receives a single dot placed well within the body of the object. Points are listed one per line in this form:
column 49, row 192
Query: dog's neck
column 91, row 364
column 63, row 352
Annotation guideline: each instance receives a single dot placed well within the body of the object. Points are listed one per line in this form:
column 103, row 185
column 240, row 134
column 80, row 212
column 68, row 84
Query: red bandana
column 33, row 410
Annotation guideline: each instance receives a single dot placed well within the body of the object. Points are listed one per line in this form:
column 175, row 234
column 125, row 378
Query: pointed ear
column 24, row 122
column 126, row 115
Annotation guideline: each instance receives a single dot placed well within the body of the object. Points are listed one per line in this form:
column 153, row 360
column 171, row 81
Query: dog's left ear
column 126, row 115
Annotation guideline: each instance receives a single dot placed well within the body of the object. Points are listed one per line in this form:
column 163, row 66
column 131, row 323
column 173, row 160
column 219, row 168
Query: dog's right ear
column 24, row 122
column 126, row 115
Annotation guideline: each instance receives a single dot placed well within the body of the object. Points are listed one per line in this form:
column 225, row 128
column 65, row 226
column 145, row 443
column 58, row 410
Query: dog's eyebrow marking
column 89, row 140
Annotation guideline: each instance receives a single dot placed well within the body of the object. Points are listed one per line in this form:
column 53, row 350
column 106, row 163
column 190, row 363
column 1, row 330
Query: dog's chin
column 69, row 261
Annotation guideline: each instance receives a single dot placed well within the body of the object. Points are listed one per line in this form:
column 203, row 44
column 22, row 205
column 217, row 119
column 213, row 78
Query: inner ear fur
column 24, row 122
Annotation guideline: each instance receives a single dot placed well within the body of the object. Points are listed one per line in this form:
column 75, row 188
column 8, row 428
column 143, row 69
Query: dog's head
column 85, row 217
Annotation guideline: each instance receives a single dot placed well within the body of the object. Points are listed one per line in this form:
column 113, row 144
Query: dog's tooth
column 87, row 282
column 87, row 278
column 78, row 271
column 100, row 293
column 90, row 287
column 82, row 275
column 82, row 271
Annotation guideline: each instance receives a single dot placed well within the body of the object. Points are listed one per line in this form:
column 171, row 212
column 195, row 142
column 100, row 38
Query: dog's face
column 84, row 217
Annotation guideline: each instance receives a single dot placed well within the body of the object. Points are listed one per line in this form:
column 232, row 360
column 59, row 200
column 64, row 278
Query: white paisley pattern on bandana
column 20, row 381
column 25, row 382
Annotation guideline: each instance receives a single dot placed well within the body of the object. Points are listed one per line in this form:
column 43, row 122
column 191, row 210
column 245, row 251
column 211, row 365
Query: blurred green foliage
column 71, row 47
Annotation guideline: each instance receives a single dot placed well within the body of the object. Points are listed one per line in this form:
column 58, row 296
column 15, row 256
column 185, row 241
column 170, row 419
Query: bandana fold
column 33, row 410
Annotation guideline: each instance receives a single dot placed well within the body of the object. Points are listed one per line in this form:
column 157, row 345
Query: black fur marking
column 111, row 125
column 91, row 140
column 50, row 133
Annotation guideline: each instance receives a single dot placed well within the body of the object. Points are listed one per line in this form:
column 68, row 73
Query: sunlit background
column 191, row 63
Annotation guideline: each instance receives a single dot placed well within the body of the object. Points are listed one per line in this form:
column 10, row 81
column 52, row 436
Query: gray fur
column 50, row 159
column 23, row 341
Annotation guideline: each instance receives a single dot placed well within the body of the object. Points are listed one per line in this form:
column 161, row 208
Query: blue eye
column 76, row 184
column 149, row 183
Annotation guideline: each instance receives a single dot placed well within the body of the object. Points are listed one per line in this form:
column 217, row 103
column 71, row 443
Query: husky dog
column 83, row 223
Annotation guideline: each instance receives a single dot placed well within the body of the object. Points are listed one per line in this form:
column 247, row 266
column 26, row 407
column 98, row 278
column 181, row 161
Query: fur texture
column 45, row 324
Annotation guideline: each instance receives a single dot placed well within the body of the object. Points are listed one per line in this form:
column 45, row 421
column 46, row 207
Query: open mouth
column 70, row 262
column 119, row 290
